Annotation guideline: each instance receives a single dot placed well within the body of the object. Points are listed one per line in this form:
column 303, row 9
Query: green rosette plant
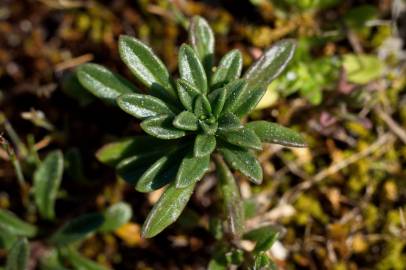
column 190, row 121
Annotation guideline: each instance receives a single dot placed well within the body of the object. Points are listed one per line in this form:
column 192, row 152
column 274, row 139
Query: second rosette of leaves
column 189, row 118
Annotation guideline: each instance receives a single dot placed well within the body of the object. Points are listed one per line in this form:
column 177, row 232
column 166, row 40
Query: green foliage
column 167, row 210
column 103, row 83
column 77, row 229
column 201, row 111
column 18, row 256
column 264, row 237
column 262, row 73
column 186, row 121
column 47, row 176
column 204, row 145
column 306, row 75
column 362, row 68
column 115, row 216
column 143, row 106
column 160, row 173
column 191, row 69
column 228, row 70
column 358, row 16
column 7, row 239
column 52, row 261
column 78, row 261
column 111, row 154
column 244, row 161
column 147, row 67
column 233, row 206
column 47, row 180
column 262, row 261
column 305, row 5
column 72, row 87
column 192, row 169
column 202, row 39
column 10, row 224
column 274, row 133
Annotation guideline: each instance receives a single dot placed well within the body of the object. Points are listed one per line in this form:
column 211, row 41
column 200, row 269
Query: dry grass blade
column 293, row 193
column 394, row 127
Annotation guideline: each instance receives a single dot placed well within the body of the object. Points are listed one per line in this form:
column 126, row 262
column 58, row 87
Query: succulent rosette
column 189, row 121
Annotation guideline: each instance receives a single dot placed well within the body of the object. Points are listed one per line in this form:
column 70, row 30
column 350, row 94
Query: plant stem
column 12, row 156
column 21, row 149
column 232, row 203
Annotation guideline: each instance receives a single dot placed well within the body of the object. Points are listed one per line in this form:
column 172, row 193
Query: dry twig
column 292, row 194
column 394, row 127
column 74, row 62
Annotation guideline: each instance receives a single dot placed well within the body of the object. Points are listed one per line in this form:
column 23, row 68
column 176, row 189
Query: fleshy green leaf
column 161, row 127
column 47, row 179
column 243, row 161
column 17, row 258
column 234, row 90
column 132, row 168
column 242, row 137
column 74, row 89
column 11, row 224
column 146, row 66
column 208, row 128
column 140, row 158
column 202, row 106
column 262, row 72
column 229, row 69
column 115, row 216
column 143, row 106
column 232, row 202
column 77, row 229
column 112, row 153
column 248, row 101
column 160, row 173
column 191, row 69
column 186, row 121
column 78, row 261
column 275, row 133
column 202, row 39
column 271, row 96
column 132, row 174
column 204, row 145
column 187, row 93
column 152, row 178
column 262, row 261
column 264, row 237
column 103, row 83
column 167, row 210
column 7, row 239
column 217, row 99
column 229, row 121
column 51, row 261
column 191, row 170
column 272, row 62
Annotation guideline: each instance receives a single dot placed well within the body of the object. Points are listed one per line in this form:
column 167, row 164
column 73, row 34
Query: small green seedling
column 61, row 247
column 190, row 121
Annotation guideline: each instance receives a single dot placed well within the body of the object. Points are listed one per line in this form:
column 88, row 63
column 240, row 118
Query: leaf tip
column 145, row 233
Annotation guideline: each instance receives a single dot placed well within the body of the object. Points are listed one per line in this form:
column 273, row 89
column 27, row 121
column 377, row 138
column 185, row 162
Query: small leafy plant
column 61, row 247
column 190, row 121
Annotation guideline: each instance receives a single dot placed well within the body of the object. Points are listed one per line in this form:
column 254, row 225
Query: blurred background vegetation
column 341, row 203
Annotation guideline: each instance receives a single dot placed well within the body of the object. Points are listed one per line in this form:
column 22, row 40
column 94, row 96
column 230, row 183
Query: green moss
column 307, row 207
column 394, row 259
